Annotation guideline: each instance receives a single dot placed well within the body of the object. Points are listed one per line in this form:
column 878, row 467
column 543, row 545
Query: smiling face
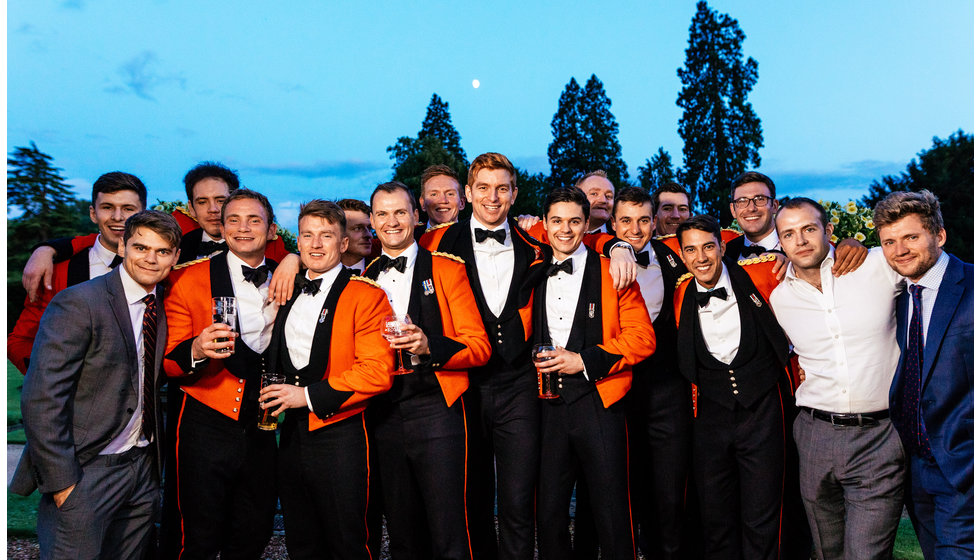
column 491, row 194
column 633, row 223
column 701, row 251
column 320, row 243
column 600, row 193
column 109, row 212
column 565, row 225
column 755, row 221
column 393, row 220
column 803, row 237
column 674, row 209
column 909, row 247
column 359, row 234
column 205, row 207
column 247, row 230
column 441, row 199
column 148, row 257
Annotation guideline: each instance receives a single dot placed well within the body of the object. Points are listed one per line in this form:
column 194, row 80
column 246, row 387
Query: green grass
column 22, row 514
column 14, row 382
column 906, row 544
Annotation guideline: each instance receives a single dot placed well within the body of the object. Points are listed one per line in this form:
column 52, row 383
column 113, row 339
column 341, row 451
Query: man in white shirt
column 852, row 466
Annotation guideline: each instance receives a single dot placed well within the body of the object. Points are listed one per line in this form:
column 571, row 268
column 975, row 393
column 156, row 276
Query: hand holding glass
column 224, row 310
column 267, row 420
column 392, row 328
column 547, row 381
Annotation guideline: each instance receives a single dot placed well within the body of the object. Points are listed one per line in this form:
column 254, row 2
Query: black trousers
column 421, row 452
column 584, row 439
column 738, row 468
column 226, row 473
column 323, row 487
column 504, row 424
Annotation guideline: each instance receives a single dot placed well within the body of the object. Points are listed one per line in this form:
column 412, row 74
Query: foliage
column 656, row 171
column 585, row 136
column 437, row 142
column 171, row 206
column 531, row 190
column 36, row 186
column 946, row 169
column 721, row 132
column 851, row 220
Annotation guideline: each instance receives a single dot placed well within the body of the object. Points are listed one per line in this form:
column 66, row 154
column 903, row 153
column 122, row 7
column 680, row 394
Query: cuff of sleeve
column 599, row 362
column 183, row 356
column 615, row 242
column 324, row 400
column 442, row 349
column 306, row 393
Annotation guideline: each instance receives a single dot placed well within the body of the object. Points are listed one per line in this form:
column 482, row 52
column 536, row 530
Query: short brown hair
column 669, row 187
column 437, row 170
column 354, row 205
column 161, row 223
column 802, row 202
column 491, row 160
column 243, row 194
column 329, row 211
column 395, row 186
column 752, row 177
column 116, row 181
column 597, row 173
column 701, row 222
column 899, row 204
column 632, row 195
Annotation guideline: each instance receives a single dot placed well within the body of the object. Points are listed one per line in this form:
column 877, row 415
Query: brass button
column 234, row 410
column 239, row 389
column 241, row 381
column 238, row 399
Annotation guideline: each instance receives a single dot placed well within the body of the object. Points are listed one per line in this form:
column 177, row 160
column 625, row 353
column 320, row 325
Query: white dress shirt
column 99, row 259
column 844, row 334
column 562, row 297
column 650, row 279
column 769, row 242
column 496, row 265
column 358, row 267
column 132, row 434
column 301, row 323
column 930, row 283
column 256, row 315
column 398, row 285
column 720, row 323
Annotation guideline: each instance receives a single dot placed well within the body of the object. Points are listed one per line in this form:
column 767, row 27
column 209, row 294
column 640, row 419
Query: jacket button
column 297, row 383
column 238, row 399
column 735, row 392
column 241, row 381
column 239, row 389
column 234, row 410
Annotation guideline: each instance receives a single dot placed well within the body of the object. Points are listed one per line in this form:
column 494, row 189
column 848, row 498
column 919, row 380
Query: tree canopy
column 437, row 142
column 655, row 171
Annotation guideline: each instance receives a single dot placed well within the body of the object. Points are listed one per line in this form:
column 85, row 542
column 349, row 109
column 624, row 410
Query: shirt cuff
column 309, row 403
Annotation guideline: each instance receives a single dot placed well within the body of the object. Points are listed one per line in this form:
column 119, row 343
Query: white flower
column 860, row 237
column 834, row 220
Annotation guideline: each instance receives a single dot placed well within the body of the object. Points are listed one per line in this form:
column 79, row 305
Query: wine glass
column 393, row 327
column 224, row 310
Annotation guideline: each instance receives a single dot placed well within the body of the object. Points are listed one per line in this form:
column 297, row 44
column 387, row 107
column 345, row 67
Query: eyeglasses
column 759, row 200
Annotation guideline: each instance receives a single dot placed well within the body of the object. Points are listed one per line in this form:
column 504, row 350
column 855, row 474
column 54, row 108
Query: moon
column 476, row 84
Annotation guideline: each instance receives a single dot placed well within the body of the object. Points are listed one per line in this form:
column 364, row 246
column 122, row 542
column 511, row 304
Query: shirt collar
column 826, row 263
column 235, row 267
column 410, row 254
column 102, row 254
column 206, row 237
column 475, row 223
column 724, row 281
column 134, row 292
column 327, row 278
column 933, row 278
column 578, row 258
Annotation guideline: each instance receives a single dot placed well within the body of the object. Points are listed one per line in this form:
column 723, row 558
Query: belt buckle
column 843, row 417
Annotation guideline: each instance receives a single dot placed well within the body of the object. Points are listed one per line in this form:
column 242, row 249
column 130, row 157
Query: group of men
column 688, row 376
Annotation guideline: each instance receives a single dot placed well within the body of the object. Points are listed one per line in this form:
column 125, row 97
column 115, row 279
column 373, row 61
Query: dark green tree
column 721, row 132
column 36, row 187
column 585, row 136
column 655, row 171
column 531, row 190
column 437, row 142
column 946, row 169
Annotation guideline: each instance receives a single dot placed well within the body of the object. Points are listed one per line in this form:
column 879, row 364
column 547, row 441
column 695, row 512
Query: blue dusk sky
column 303, row 97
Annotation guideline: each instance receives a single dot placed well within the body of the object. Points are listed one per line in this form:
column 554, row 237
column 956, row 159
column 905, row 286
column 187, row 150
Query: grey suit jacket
column 83, row 383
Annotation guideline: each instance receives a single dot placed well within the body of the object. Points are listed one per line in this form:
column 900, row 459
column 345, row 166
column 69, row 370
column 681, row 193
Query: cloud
column 73, row 4
column 140, row 76
column 322, row 169
column 26, row 29
column 850, row 182
column 290, row 88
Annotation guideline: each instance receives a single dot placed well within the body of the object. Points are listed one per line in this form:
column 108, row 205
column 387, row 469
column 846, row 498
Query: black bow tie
column 704, row 297
column 751, row 251
column 643, row 258
column 497, row 235
column 116, row 261
column 398, row 263
column 256, row 276
column 307, row 286
column 565, row 266
column 208, row 247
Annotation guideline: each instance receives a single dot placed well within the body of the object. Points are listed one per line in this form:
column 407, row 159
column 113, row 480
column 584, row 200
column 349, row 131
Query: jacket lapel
column 950, row 291
column 320, row 348
column 116, row 296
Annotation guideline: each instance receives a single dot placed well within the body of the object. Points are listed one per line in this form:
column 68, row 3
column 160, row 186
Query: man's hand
column 802, row 375
column 38, row 271
column 283, row 396
column 622, row 267
column 526, row 221
column 414, row 341
column 281, row 286
column 781, row 266
column 206, row 345
column 61, row 495
column 561, row 361
column 848, row 256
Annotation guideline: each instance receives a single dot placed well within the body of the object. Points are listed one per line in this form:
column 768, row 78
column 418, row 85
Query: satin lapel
column 540, row 332
column 220, row 277
column 320, row 349
column 461, row 245
column 278, row 332
column 748, row 296
column 78, row 268
column 686, row 332
column 161, row 331
column 583, row 333
column 950, row 291
column 116, row 296
column 423, row 272
column 189, row 244
column 733, row 249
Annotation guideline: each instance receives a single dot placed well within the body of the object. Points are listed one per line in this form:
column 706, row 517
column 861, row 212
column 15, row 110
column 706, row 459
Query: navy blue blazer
column 947, row 373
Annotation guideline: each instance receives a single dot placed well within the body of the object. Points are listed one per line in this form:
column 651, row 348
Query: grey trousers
column 109, row 514
column 852, row 482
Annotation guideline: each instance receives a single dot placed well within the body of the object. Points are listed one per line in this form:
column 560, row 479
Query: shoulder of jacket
column 730, row 230
column 367, row 281
column 768, row 257
column 684, row 278
column 374, row 260
column 439, row 226
column 190, row 263
column 662, row 237
column 449, row 256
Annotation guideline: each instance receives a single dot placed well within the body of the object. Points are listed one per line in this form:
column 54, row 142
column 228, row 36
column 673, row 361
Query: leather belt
column 848, row 419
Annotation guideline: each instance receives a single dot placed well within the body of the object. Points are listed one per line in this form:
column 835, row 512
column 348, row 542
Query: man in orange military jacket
column 419, row 425
column 598, row 333
column 225, row 466
column 327, row 342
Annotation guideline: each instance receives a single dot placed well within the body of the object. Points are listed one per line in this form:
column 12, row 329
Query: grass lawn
column 14, row 382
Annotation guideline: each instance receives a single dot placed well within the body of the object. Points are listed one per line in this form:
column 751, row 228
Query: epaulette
column 768, row 257
column 731, row 230
column 368, row 265
column 367, row 280
column 682, row 279
column 183, row 210
column 449, row 256
column 439, row 226
column 189, row 263
column 666, row 236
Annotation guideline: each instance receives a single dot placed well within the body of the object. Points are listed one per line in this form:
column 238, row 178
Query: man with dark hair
column 115, row 197
column 419, row 425
column 91, row 411
column 733, row 350
column 598, row 333
column 361, row 245
column 931, row 395
column 851, row 463
column 224, row 461
column 441, row 198
column 327, row 343
column 671, row 206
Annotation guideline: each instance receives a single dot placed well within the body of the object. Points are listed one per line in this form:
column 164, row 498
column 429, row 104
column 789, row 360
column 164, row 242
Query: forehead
column 673, row 199
column 566, row 210
column 493, row 177
column 355, row 216
column 384, row 200
column 911, row 223
column 210, row 187
column 748, row 190
column 118, row 197
column 595, row 185
column 245, row 207
column 148, row 238
column 789, row 217
column 634, row 210
column 440, row 183
column 696, row 238
column 317, row 223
